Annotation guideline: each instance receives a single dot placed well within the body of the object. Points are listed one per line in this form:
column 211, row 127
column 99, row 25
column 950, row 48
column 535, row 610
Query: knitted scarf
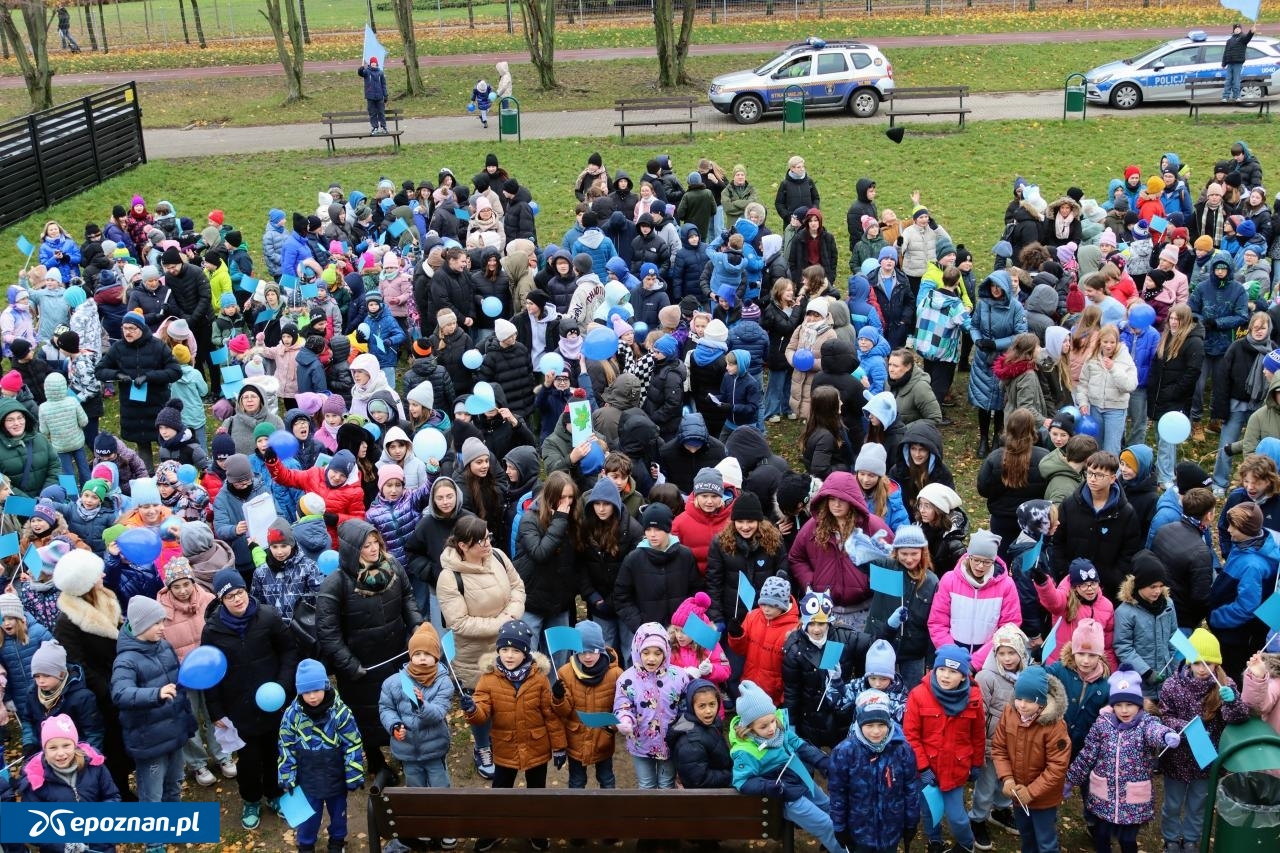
column 518, row 675
column 239, row 624
column 51, row 698
column 590, row 675
column 874, row 747
column 424, row 674
column 953, row 701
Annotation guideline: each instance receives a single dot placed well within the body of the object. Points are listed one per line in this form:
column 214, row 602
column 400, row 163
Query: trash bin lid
column 1249, row 746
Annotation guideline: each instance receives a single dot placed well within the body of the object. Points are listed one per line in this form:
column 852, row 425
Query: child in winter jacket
column 698, row 747
column 1118, row 763
column 285, row 575
column 813, row 692
column 1078, row 597
column 1032, row 752
column 873, row 352
column 698, row 662
column 66, row 771
column 880, row 674
column 1199, row 689
column 59, row 688
column 154, row 712
column 395, row 512
column 321, row 753
column 1145, row 620
column 944, row 725
column 190, row 389
column 739, row 393
column 62, row 421
column 996, row 680
column 91, row 514
column 586, row 683
column 1083, row 671
column 761, row 637
column 19, row 640
column 907, row 616
column 874, row 784
column 414, row 706
column 309, row 530
column 1262, row 683
column 342, row 494
column 705, row 515
column 963, row 609
column 765, row 750
column 646, row 701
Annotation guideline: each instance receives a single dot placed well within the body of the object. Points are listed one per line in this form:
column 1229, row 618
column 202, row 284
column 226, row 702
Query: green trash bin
column 793, row 111
column 1074, row 89
column 509, row 118
column 1248, row 812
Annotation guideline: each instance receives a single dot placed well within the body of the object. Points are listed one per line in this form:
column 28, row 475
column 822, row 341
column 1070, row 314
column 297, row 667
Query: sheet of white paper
column 259, row 512
column 228, row 738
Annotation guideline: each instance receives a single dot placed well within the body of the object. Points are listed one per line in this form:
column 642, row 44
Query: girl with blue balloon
column 1106, row 381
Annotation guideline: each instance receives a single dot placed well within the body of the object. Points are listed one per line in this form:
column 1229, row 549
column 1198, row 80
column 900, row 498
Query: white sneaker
column 1219, row 493
column 204, row 777
column 448, row 843
column 228, row 768
column 775, row 419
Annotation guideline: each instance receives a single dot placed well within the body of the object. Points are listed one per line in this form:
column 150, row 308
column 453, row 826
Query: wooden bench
column 1207, row 92
column 921, row 93
column 651, row 105
column 341, row 120
column 696, row 815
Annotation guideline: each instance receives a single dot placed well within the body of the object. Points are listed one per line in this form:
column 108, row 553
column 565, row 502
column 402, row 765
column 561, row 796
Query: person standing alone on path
column 64, row 30
column 1233, row 56
column 375, row 94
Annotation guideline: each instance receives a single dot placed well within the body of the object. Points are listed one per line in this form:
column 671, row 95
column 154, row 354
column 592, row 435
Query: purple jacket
column 826, row 565
column 649, row 701
column 1181, row 699
column 1118, row 762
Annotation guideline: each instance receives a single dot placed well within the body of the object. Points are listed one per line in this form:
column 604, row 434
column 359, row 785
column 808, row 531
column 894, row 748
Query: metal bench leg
column 375, row 842
column 788, row 837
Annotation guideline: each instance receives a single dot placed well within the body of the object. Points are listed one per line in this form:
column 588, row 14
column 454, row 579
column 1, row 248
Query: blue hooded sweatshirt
column 740, row 393
column 861, row 311
column 874, row 360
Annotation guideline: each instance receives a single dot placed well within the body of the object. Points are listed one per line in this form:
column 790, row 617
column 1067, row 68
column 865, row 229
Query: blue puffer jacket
column 16, row 657
column 273, row 238
column 383, row 325
column 40, row 784
column 1000, row 321
column 687, row 267
column 1221, row 305
column 88, row 529
column 1142, row 636
column 127, row 580
column 1142, row 348
column 152, row 726
column 69, row 266
column 751, row 336
column 310, row 373
column 396, row 520
column 875, row 360
column 320, row 748
column 1246, row 580
column 294, row 251
column 875, row 797
column 77, row 702
column 425, row 722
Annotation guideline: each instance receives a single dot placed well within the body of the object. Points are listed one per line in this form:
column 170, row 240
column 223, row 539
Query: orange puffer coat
column 587, row 746
column 525, row 729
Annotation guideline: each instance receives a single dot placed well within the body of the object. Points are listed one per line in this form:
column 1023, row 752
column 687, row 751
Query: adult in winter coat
column 142, row 359
column 58, row 251
column 251, row 412
column 996, row 320
column 749, row 546
column 810, row 335
column 657, row 576
column 363, row 610
column 697, row 205
column 1104, row 530
column 795, row 190
column 1221, row 306
column 813, row 245
column 545, row 553
column 27, row 458
column 1010, row 475
column 193, row 295
column 911, row 388
column 607, row 534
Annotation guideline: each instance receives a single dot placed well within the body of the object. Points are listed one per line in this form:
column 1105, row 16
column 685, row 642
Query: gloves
column 601, row 608
column 834, row 673
column 1227, row 694
column 626, row 727
column 1038, row 575
column 1209, row 324
column 692, row 671
column 733, row 626
column 898, row 617
column 1008, row 787
column 139, row 381
column 557, row 690
column 559, row 757
column 974, row 773
column 1022, row 794
column 466, row 703
column 331, row 519
column 123, row 377
column 704, row 668
column 985, row 345
column 1172, row 739
column 927, row 778
column 845, row 839
column 398, row 731
column 270, row 456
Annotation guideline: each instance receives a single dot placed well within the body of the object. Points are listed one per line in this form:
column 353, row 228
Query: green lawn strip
column 248, row 101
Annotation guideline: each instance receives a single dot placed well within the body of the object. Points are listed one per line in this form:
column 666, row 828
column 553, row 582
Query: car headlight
column 1097, row 80
column 715, row 89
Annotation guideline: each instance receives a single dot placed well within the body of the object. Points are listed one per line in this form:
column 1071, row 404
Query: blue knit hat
column 311, row 676
column 225, row 581
column 667, row 345
column 515, row 634
column 953, row 657
column 753, row 703
column 227, row 300
column 889, row 253
column 591, row 635
column 1032, row 685
column 873, row 706
column 881, row 659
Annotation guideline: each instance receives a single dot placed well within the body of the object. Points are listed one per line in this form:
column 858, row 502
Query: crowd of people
column 465, row 435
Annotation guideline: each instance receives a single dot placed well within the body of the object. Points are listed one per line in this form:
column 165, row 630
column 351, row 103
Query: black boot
column 984, row 448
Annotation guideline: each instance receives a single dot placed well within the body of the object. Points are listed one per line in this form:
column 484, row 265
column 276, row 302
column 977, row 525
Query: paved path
column 888, row 43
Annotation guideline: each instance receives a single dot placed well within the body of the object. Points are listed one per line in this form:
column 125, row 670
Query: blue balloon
column 551, row 362
column 1142, row 316
column 140, row 545
column 491, row 306
column 472, row 359
column 471, row 108
column 601, row 343
column 1088, row 425
column 429, row 443
column 270, row 697
column 593, row 461
column 283, row 443
column 478, row 404
column 1173, row 427
column 327, row 562
column 188, row 474
column 802, row 360
column 202, row 668
column 640, row 328
column 1074, row 411
column 533, row 207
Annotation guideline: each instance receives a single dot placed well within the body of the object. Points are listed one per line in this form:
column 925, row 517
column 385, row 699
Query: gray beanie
column 49, row 659
column 11, row 605
column 753, row 703
column 238, row 468
column 984, row 543
column 473, row 449
column 196, row 538
column 144, row 613
column 872, row 458
column 775, row 591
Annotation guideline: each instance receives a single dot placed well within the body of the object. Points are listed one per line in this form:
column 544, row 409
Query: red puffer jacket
column 949, row 746
column 761, row 643
column 696, row 529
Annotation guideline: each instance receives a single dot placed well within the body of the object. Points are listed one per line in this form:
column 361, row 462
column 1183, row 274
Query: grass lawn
column 250, row 101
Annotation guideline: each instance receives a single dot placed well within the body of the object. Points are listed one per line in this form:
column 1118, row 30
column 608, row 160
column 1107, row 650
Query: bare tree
column 195, row 13
column 102, row 25
column 287, row 31
column 540, row 37
column 673, row 47
column 302, row 13
column 182, row 13
column 404, row 22
column 31, row 51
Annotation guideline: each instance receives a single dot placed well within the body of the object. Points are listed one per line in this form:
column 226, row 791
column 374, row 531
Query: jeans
column 654, row 773
column 941, row 375
column 1232, row 428
column 1211, row 366
column 1039, row 830
column 777, row 393
column 1182, row 816
column 986, row 792
column 1111, row 429
column 1231, row 86
column 482, row 735
column 81, row 465
column 537, row 624
column 200, row 433
column 390, row 373
column 159, row 779
column 426, row 774
column 1137, row 433
column 436, row 621
column 1166, row 459
column 377, row 116
column 203, row 745
column 68, row 40
column 1126, row 835
column 604, row 774
column 309, row 829
column 812, row 815
column 616, row 637
column 956, row 815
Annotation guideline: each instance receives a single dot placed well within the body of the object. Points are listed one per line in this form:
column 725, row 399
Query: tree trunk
column 182, row 13
column 88, row 28
column 689, row 8
column 665, row 42
column 195, row 13
column 287, row 32
column 413, row 74
column 539, row 18
column 471, row 16
column 33, row 52
column 102, row 25
column 302, row 13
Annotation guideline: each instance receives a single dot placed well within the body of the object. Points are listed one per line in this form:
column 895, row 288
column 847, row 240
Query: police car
column 834, row 76
column 1161, row 74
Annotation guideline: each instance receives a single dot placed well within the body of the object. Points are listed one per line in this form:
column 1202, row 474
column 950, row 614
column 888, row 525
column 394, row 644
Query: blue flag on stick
column 563, row 639
column 373, row 48
column 1051, row 642
column 746, row 592
column 831, row 653
column 701, row 633
column 1269, row 612
column 1248, row 8
column 448, row 645
column 24, row 246
column 887, row 581
column 1201, row 744
column 1183, row 647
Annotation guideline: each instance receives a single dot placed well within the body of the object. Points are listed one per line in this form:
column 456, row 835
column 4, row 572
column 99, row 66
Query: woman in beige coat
column 478, row 590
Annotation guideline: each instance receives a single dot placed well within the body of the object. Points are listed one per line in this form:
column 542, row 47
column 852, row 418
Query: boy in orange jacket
column 1032, row 752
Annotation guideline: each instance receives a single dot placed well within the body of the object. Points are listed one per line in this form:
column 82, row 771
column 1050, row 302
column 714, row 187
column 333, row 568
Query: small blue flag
column 373, row 48
column 310, row 291
column 138, row 393
column 597, row 720
column 396, row 228
column 24, row 246
column 232, row 373
column 69, row 485
column 248, row 284
column 1201, row 744
column 887, row 581
column 1183, row 646
column 831, row 654
column 32, row 560
column 295, row 808
column 9, row 544
column 701, row 633
column 746, row 592
column 933, row 799
column 231, row 390
column 448, row 645
column 288, row 282
column 18, row 505
column 1248, row 8
column 1269, row 612
column 1030, row 557
column 563, row 639
column 219, row 356
column 1050, row 642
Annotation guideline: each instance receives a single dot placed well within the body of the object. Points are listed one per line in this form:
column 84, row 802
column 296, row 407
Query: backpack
column 525, row 501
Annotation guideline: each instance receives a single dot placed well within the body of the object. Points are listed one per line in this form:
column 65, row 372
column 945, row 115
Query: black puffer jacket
column 427, row 541
column 1108, row 537
column 149, row 358
column 358, row 628
column 190, row 290
column 804, row 683
column 762, row 469
column 926, row 434
column 1172, row 381
column 545, row 562
column 598, row 571
column 510, row 368
column 664, row 398
column 452, row 290
column 794, row 193
column 744, row 558
column 699, row 752
column 265, row 652
column 678, row 463
column 838, row 363
column 498, row 287
column 652, row 584
column 154, row 304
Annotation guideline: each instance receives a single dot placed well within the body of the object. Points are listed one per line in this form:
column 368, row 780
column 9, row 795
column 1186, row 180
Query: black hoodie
column 860, row 208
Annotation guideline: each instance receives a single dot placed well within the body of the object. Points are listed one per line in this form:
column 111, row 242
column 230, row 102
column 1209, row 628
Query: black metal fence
column 51, row 155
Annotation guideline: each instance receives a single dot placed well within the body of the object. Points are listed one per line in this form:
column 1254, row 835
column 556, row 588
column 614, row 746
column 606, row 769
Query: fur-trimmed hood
column 1056, row 707
column 541, row 663
column 1128, row 595
column 101, row 621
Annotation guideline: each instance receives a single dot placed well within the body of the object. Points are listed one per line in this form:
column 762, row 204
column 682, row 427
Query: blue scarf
column 952, row 701
column 239, row 624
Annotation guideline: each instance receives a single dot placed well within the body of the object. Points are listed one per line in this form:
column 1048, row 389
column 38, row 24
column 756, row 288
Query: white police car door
column 1165, row 77
column 796, row 72
column 830, row 79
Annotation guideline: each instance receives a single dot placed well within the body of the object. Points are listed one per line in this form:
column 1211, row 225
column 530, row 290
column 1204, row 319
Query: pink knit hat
column 621, row 327
column 387, row 473
column 334, row 405
column 1088, row 637
column 690, row 606
column 59, row 726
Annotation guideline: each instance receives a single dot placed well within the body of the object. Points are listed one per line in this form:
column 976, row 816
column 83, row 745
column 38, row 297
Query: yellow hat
column 1155, row 186
column 182, row 354
column 1207, row 646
